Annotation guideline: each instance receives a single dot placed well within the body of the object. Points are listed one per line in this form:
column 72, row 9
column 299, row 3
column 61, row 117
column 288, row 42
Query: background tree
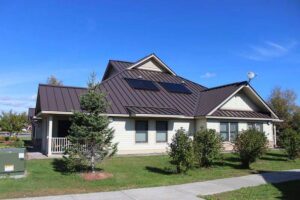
column 283, row 102
column 181, row 151
column 207, row 147
column 90, row 135
column 13, row 122
column 52, row 80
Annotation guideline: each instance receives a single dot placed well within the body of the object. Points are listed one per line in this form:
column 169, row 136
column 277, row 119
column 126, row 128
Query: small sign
column 9, row 168
column 21, row 155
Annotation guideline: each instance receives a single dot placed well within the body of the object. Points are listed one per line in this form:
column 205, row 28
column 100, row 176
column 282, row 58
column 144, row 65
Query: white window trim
column 229, row 132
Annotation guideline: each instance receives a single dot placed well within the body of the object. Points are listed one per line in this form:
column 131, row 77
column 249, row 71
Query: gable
column 151, row 65
column 240, row 101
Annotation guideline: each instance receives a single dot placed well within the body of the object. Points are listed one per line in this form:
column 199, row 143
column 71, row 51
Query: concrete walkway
column 185, row 191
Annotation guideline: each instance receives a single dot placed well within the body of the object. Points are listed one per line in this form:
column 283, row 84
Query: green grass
column 131, row 172
column 287, row 190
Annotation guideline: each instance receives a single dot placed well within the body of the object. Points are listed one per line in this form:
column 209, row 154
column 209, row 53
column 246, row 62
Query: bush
column 291, row 143
column 6, row 138
column 207, row 147
column 181, row 151
column 18, row 143
column 2, row 139
column 250, row 145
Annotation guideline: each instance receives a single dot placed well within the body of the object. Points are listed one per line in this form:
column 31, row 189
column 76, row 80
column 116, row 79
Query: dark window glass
column 224, row 131
column 233, row 131
column 63, row 128
column 141, row 84
column 141, row 131
column 175, row 87
column 161, row 131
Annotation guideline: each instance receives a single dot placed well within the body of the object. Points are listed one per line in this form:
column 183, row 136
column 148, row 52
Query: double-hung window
column 161, row 131
column 228, row 131
column 257, row 126
column 141, row 131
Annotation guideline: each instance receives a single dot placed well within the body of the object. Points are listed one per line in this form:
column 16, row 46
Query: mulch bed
column 96, row 176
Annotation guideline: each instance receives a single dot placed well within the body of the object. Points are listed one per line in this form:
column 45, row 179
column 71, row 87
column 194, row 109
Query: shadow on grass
column 274, row 157
column 287, row 182
column 164, row 171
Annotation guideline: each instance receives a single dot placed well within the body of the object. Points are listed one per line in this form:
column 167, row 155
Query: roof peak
column 123, row 61
column 62, row 86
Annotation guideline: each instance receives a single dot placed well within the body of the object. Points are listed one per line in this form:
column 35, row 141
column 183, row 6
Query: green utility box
column 12, row 162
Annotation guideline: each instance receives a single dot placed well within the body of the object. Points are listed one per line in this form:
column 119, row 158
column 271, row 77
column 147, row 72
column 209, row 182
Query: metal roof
column 240, row 114
column 126, row 100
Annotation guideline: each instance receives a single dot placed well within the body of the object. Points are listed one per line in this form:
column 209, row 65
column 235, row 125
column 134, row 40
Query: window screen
column 161, row 131
column 141, row 131
column 233, row 131
column 224, row 131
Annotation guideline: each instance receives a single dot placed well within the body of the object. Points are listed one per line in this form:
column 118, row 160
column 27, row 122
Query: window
column 161, row 131
column 228, row 131
column 257, row 126
column 233, row 131
column 224, row 131
column 175, row 87
column 141, row 131
column 141, row 84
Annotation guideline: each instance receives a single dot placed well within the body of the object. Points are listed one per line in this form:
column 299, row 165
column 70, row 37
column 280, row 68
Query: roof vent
column 140, row 77
column 183, row 82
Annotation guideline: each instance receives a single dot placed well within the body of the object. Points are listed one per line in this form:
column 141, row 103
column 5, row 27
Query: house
column 148, row 103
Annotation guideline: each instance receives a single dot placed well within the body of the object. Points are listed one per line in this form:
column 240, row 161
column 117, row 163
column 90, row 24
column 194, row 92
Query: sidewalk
column 185, row 191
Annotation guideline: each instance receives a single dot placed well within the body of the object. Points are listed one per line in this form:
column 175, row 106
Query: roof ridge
column 226, row 85
column 63, row 86
column 112, row 60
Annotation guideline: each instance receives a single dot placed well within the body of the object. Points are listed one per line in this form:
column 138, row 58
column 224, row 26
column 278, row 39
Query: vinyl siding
column 125, row 135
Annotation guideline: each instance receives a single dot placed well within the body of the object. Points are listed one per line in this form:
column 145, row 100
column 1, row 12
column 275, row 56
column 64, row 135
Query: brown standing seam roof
column 125, row 100
column 239, row 113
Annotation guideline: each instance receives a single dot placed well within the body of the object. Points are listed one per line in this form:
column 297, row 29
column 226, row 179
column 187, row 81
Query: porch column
column 49, row 134
column 275, row 135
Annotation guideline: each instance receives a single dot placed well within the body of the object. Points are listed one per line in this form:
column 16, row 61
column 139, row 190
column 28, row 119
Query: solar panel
column 141, row 84
column 175, row 87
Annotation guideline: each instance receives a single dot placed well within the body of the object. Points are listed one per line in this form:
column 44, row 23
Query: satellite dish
column 251, row 75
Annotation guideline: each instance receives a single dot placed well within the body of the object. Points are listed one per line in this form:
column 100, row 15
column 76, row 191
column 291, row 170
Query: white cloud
column 208, row 75
column 269, row 50
column 21, row 102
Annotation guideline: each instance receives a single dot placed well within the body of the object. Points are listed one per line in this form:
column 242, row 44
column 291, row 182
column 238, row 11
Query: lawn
column 287, row 190
column 46, row 178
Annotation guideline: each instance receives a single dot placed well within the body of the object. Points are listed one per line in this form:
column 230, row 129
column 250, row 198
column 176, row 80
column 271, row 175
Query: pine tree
column 90, row 135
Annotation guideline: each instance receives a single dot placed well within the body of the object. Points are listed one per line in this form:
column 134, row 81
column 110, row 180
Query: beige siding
column 240, row 102
column 242, row 125
column 150, row 65
column 125, row 135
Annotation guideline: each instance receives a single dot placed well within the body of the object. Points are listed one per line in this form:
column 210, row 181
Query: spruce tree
column 90, row 135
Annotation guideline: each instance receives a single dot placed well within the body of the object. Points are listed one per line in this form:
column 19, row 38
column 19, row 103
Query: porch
column 55, row 140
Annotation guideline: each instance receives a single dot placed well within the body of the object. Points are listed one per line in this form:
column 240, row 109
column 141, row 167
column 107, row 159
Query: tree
column 207, row 147
column 52, row 80
column 13, row 122
column 250, row 145
column 283, row 103
column 291, row 143
column 181, row 151
column 90, row 135
column 295, row 123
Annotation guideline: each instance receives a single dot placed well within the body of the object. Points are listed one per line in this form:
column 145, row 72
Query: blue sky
column 209, row 42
